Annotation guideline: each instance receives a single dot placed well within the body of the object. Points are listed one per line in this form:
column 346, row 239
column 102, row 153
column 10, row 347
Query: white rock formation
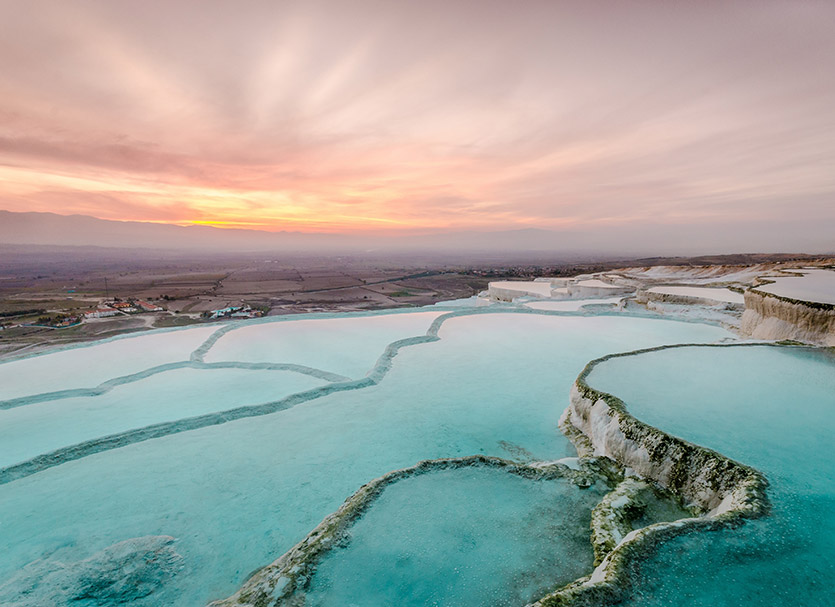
column 579, row 287
column 706, row 480
column 691, row 295
column 508, row 290
column 770, row 317
column 594, row 287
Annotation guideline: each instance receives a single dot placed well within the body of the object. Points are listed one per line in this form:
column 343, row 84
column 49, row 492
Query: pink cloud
column 426, row 115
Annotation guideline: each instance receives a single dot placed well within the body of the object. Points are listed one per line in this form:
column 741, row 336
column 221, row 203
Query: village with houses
column 116, row 307
column 137, row 306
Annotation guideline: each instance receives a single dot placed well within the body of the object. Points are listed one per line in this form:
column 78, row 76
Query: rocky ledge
column 769, row 316
column 717, row 490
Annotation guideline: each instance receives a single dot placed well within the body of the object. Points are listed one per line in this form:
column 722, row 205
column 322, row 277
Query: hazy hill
column 621, row 241
column 82, row 230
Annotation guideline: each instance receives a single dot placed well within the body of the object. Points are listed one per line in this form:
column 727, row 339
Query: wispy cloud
column 433, row 115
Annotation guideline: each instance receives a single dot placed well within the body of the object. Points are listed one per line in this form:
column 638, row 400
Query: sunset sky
column 422, row 116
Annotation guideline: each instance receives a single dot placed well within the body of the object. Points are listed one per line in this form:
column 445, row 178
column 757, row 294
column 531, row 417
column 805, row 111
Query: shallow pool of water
column 571, row 305
column 346, row 345
column 89, row 365
column 816, row 285
column 714, row 294
column 465, row 537
column 27, row 431
column 767, row 406
column 237, row 494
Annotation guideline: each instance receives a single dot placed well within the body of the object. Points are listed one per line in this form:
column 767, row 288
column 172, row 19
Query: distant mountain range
column 82, row 230
column 643, row 239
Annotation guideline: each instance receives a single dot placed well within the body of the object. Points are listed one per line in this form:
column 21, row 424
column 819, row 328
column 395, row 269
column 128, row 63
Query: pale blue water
column 27, row 431
column 572, row 305
column 349, row 345
column 88, row 366
column 466, row 537
column 239, row 494
column 772, row 408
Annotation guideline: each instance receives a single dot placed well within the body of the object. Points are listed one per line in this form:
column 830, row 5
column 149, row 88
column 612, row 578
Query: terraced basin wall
column 769, row 316
column 645, row 296
column 703, row 479
column 277, row 584
column 576, row 291
column 508, row 294
column 725, row 492
column 500, row 294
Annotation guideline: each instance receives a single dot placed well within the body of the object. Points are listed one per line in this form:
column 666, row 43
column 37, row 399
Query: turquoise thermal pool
column 43, row 427
column 349, row 345
column 220, row 461
column 87, row 367
column 770, row 407
column 470, row 536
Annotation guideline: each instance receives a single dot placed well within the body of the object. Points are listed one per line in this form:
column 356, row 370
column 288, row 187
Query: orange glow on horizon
column 285, row 118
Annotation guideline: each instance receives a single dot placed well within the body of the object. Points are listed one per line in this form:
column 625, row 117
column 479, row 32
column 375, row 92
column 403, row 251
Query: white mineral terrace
column 816, row 285
column 700, row 274
column 570, row 305
column 580, row 287
column 507, row 289
column 597, row 284
column 724, row 295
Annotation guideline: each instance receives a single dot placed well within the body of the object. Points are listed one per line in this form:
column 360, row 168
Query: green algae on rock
column 721, row 491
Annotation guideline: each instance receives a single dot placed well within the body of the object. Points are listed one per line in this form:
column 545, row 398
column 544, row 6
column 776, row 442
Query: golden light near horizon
column 414, row 116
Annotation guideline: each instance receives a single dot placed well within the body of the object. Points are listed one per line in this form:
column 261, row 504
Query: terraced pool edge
column 724, row 491
column 114, row 441
column 292, row 572
column 719, row 491
column 110, row 384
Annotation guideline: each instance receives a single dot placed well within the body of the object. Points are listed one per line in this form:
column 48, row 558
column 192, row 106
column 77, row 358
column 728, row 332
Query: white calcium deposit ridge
column 722, row 295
